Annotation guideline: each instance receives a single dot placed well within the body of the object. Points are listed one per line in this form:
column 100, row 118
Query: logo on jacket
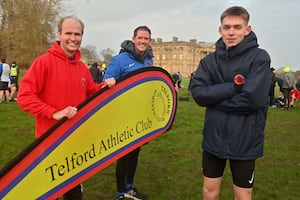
column 83, row 82
column 131, row 64
column 149, row 63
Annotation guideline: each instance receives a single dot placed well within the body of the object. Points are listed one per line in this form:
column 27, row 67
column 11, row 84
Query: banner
column 108, row 125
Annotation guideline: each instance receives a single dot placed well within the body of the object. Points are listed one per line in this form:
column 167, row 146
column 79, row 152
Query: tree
column 89, row 54
column 106, row 55
column 27, row 28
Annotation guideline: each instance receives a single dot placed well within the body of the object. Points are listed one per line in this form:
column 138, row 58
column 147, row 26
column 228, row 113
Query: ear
column 248, row 30
column 220, row 30
column 133, row 39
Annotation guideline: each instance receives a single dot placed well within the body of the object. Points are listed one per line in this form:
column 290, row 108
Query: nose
column 231, row 31
column 73, row 36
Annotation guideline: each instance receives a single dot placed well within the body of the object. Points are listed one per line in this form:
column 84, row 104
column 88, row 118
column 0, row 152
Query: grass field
column 170, row 165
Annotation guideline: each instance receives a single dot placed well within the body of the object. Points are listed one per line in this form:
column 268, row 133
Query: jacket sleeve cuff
column 50, row 113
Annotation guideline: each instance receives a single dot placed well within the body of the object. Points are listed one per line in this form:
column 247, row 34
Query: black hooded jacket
column 234, row 122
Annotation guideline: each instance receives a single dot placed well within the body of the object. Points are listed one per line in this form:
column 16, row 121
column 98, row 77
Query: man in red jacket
column 56, row 82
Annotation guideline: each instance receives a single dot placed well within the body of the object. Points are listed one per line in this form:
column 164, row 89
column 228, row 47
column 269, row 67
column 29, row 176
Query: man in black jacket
column 95, row 72
column 233, row 84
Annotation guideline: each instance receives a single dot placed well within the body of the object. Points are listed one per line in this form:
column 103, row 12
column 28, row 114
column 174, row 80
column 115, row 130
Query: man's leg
column 243, row 178
column 286, row 95
column 242, row 193
column 13, row 90
column 213, row 168
column 211, row 188
column 132, row 165
column 121, row 173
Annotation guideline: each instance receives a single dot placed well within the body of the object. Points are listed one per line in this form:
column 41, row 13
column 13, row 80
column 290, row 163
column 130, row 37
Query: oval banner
column 108, row 125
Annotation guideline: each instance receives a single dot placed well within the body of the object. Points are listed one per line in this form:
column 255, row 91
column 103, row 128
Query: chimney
column 175, row 39
column 193, row 41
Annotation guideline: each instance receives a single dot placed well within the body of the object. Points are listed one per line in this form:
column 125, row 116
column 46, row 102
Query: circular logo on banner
column 161, row 104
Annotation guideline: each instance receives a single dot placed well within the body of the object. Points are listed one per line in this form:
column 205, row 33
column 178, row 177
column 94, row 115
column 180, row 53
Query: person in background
column 179, row 79
column 14, row 75
column 95, row 72
column 4, row 80
column 272, row 87
column 56, row 82
column 191, row 77
column 287, row 86
column 233, row 84
column 298, row 83
column 136, row 53
column 175, row 79
column 294, row 96
column 102, row 69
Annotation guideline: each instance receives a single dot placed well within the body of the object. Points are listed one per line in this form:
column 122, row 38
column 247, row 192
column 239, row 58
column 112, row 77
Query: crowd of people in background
column 8, row 80
column 286, row 97
column 288, row 89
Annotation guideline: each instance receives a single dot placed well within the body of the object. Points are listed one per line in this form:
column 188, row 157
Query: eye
column 238, row 27
column 226, row 27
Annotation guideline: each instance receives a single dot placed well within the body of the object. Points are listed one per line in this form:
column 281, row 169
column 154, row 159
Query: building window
column 164, row 57
column 174, row 56
column 180, row 57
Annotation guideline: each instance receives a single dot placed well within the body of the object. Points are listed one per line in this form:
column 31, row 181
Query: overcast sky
column 109, row 22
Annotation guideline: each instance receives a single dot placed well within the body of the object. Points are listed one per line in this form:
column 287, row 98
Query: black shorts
column 3, row 85
column 14, row 80
column 242, row 170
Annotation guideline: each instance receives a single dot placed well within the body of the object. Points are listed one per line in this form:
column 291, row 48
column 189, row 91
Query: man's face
column 233, row 30
column 141, row 41
column 71, row 36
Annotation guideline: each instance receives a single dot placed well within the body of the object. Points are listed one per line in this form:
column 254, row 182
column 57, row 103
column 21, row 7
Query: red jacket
column 53, row 82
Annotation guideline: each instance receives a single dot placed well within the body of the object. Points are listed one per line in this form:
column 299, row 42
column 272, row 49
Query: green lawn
column 170, row 165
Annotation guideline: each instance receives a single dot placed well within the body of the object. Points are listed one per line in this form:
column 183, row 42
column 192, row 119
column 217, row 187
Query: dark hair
column 143, row 28
column 236, row 11
column 61, row 21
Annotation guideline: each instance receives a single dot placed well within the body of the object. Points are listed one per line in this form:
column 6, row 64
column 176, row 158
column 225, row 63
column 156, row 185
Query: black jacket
column 234, row 122
column 95, row 72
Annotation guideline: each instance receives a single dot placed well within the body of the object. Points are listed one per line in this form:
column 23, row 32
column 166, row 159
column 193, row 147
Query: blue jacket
column 127, row 61
column 234, row 122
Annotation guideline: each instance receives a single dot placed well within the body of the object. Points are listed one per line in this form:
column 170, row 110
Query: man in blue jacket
column 135, row 54
column 233, row 84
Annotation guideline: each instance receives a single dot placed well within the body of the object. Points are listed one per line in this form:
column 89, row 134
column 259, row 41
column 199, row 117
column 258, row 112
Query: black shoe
column 133, row 193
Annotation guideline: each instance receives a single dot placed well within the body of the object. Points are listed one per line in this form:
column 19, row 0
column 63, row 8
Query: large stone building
column 180, row 56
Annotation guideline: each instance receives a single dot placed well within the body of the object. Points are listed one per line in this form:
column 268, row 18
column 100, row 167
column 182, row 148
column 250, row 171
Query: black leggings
column 73, row 194
column 125, row 169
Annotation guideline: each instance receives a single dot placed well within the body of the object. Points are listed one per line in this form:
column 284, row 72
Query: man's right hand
column 110, row 82
column 68, row 112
